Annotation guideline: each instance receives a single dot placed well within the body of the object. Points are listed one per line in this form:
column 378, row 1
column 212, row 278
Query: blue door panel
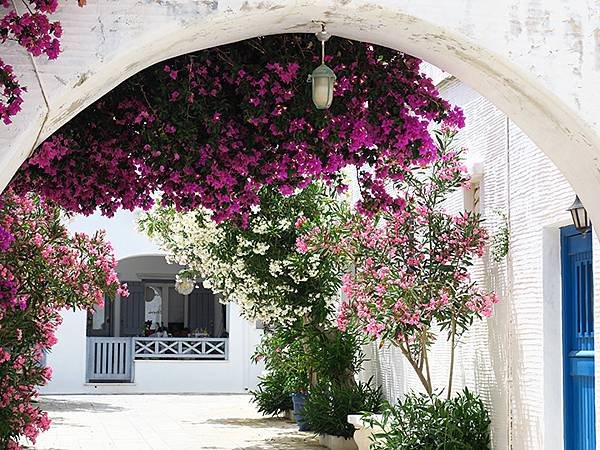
column 581, row 367
column 578, row 340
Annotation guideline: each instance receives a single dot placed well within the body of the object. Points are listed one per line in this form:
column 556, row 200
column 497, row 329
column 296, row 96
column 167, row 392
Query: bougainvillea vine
column 36, row 33
column 10, row 93
column 211, row 128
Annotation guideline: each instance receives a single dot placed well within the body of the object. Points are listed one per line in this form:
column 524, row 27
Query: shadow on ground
column 184, row 423
column 289, row 439
column 53, row 405
column 263, row 422
column 285, row 442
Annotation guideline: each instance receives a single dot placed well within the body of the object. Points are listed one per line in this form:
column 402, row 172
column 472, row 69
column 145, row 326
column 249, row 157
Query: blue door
column 578, row 340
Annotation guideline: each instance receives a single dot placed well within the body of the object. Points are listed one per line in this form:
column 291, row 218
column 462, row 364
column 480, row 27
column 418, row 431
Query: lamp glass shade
column 323, row 80
column 579, row 216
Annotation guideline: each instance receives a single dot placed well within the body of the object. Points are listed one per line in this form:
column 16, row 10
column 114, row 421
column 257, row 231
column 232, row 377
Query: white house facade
column 157, row 340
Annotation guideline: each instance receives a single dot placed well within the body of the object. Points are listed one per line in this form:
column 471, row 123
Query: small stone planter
column 337, row 442
column 362, row 435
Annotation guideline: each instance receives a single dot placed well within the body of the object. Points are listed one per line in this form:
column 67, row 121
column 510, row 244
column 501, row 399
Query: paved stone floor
column 165, row 422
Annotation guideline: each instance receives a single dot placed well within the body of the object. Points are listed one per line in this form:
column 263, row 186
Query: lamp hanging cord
column 323, row 44
column 323, row 36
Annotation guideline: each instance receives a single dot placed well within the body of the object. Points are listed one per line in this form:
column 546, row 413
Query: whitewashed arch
column 541, row 66
column 538, row 61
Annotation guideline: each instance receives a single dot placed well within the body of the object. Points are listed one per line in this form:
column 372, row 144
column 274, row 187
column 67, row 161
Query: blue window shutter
column 133, row 309
column 202, row 310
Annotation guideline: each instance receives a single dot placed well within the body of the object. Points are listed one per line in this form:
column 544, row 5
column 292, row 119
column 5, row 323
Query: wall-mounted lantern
column 580, row 216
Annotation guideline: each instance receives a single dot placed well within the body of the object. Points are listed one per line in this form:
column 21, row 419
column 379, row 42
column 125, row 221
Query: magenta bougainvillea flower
column 211, row 128
column 10, row 93
column 34, row 31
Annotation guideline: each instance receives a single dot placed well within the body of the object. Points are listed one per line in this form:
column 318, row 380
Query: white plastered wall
column 513, row 360
column 538, row 61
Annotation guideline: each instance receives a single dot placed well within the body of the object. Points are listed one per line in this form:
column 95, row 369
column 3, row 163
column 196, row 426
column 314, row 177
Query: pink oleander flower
column 300, row 222
column 4, row 355
column 301, row 246
column 410, row 264
column 43, row 269
column 374, row 329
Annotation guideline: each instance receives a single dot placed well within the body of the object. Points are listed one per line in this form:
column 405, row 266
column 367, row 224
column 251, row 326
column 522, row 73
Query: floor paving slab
column 165, row 422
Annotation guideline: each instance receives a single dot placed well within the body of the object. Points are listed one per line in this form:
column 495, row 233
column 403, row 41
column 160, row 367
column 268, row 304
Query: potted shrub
column 336, row 358
column 329, row 405
column 286, row 373
column 423, row 422
column 270, row 398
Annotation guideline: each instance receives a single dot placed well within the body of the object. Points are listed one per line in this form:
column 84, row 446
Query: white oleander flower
column 194, row 240
column 261, row 248
column 275, row 268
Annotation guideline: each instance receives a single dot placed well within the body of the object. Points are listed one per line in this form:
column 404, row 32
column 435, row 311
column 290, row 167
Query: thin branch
column 27, row 6
column 253, row 44
column 225, row 57
column 424, row 348
column 452, row 352
column 424, row 381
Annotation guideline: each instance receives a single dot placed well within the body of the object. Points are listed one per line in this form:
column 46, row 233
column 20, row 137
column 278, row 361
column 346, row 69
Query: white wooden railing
column 109, row 359
column 180, row 348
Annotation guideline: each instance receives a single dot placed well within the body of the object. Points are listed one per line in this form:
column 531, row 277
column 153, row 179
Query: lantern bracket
column 323, row 36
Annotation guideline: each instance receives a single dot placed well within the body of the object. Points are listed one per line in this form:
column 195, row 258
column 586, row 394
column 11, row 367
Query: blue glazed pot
column 298, row 400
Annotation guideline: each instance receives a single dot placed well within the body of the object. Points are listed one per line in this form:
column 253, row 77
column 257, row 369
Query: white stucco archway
column 541, row 66
column 537, row 61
